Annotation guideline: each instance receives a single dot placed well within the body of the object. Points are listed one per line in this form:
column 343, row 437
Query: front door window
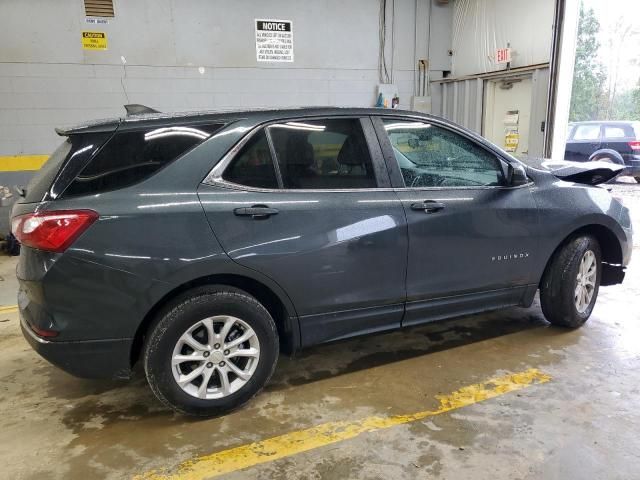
column 430, row 156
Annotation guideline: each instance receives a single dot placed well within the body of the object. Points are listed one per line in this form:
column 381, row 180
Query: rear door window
column 323, row 154
column 587, row 132
column 133, row 156
column 253, row 165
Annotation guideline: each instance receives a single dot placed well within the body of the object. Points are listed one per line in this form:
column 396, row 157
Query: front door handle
column 256, row 211
column 428, row 206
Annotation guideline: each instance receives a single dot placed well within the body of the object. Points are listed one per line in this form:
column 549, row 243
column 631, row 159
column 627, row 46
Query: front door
column 302, row 203
column 472, row 240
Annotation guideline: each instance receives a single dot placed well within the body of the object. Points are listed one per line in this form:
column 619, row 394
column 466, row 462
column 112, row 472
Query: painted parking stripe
column 20, row 163
column 264, row 451
column 9, row 309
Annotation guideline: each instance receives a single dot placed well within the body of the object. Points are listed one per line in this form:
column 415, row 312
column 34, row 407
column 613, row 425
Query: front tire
column 210, row 351
column 571, row 282
column 637, row 179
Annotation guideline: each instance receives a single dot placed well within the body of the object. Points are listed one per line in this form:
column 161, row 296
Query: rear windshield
column 133, row 156
column 76, row 147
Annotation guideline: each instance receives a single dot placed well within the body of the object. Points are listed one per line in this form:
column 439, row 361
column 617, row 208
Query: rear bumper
column 86, row 359
column 632, row 165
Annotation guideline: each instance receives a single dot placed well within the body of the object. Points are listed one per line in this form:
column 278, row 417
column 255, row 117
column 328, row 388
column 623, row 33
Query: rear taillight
column 43, row 333
column 635, row 146
column 52, row 231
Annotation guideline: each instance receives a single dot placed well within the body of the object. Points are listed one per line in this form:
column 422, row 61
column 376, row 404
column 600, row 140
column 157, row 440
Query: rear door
column 585, row 139
column 308, row 203
column 619, row 137
column 472, row 241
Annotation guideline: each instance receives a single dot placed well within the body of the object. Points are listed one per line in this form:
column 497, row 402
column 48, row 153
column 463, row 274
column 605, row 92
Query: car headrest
column 299, row 151
column 352, row 152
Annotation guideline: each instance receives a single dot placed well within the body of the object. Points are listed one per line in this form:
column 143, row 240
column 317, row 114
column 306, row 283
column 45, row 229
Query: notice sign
column 94, row 40
column 274, row 41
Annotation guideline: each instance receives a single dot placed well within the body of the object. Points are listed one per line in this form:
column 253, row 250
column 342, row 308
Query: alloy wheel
column 215, row 357
column 585, row 281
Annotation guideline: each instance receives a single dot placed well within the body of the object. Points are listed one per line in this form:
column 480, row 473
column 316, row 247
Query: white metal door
column 507, row 118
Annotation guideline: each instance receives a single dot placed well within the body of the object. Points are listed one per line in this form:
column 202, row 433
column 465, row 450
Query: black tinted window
column 430, row 156
column 130, row 157
column 323, row 154
column 70, row 157
column 253, row 165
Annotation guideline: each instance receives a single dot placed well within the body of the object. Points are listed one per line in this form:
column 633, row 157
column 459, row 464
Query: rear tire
column 569, row 287
column 206, row 323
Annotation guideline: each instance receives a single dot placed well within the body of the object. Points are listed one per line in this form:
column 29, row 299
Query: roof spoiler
column 136, row 109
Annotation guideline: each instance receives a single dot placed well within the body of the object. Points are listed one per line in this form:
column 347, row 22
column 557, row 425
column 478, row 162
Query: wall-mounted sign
column 512, row 130
column 274, row 40
column 503, row 55
column 94, row 40
column 97, row 21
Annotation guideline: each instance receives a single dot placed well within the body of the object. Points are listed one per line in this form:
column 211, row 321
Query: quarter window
column 614, row 132
column 253, row 166
column 130, row 157
column 323, row 154
column 430, row 156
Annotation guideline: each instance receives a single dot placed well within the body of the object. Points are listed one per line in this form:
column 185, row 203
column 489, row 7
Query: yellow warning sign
column 511, row 141
column 94, row 40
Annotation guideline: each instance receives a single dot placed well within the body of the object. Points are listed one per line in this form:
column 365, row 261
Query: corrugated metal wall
column 462, row 101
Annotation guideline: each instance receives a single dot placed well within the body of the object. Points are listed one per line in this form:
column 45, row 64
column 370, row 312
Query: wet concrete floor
column 583, row 424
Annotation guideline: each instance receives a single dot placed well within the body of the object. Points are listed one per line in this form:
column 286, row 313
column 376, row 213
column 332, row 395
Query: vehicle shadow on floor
column 133, row 399
column 361, row 353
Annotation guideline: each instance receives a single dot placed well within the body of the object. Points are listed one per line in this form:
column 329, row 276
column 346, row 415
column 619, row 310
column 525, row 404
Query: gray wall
column 482, row 26
column 47, row 79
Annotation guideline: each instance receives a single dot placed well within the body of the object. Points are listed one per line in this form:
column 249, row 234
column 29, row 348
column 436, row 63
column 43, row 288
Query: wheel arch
column 610, row 246
column 281, row 310
column 607, row 152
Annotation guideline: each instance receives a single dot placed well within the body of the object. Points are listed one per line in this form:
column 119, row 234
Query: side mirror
column 516, row 175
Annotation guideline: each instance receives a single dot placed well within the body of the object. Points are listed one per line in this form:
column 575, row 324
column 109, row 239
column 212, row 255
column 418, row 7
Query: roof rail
column 136, row 108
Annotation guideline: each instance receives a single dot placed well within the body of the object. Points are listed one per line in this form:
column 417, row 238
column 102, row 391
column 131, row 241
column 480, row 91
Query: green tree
column 626, row 105
column 589, row 77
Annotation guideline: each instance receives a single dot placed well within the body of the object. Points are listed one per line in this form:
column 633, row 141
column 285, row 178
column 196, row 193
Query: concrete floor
column 583, row 424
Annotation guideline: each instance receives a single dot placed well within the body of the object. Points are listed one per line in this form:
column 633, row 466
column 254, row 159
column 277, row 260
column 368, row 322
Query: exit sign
column 503, row 55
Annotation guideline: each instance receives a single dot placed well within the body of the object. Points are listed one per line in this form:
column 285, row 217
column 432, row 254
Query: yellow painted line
column 19, row 163
column 300, row 441
column 9, row 309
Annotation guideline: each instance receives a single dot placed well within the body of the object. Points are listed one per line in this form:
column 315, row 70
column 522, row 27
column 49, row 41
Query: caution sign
column 274, row 41
column 94, row 40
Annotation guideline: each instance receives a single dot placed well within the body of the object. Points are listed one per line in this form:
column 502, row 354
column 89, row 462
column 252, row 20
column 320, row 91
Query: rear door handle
column 428, row 206
column 256, row 211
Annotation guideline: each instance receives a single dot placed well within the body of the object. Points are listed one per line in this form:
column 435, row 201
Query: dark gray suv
column 204, row 244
